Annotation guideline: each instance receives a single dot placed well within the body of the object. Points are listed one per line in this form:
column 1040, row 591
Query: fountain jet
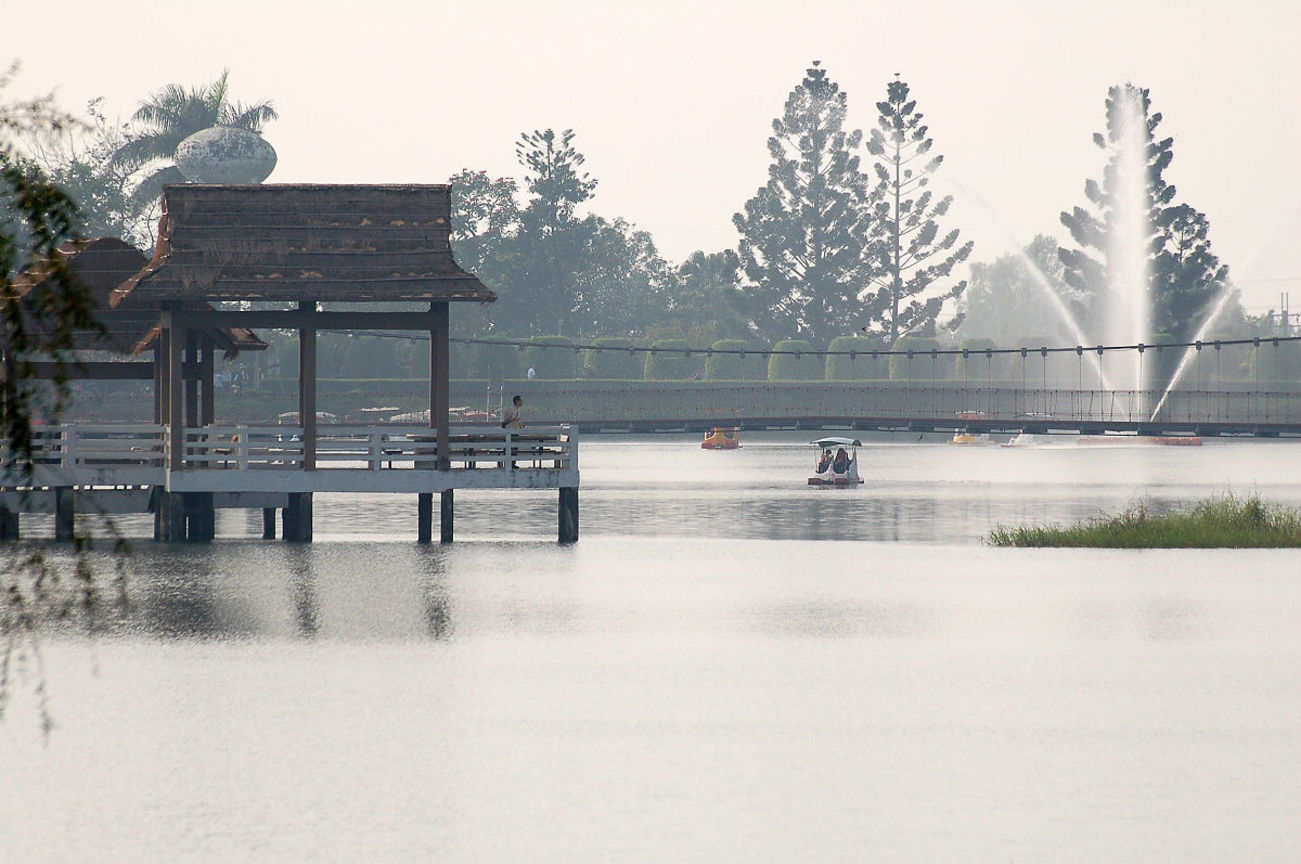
column 1128, row 314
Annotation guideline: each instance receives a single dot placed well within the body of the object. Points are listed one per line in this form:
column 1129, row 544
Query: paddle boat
column 972, row 438
column 721, row 438
column 837, row 462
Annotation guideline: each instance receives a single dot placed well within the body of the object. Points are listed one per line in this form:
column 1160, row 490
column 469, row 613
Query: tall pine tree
column 912, row 259
column 552, row 239
column 804, row 232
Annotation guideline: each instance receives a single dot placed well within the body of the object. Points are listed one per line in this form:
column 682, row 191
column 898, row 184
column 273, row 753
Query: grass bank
column 1214, row 523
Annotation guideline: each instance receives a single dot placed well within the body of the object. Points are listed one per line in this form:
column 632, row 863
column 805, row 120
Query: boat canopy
column 835, row 441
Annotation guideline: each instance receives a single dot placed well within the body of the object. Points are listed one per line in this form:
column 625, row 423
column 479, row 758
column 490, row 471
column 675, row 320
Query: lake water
column 728, row 666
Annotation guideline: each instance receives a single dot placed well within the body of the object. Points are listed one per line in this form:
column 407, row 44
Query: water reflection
column 436, row 593
column 177, row 600
column 256, row 589
column 302, row 582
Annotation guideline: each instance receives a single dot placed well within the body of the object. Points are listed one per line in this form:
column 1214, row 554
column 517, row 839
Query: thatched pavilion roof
column 130, row 321
column 349, row 243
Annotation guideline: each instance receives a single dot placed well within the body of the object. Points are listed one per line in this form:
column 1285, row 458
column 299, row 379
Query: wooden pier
column 128, row 469
column 273, row 255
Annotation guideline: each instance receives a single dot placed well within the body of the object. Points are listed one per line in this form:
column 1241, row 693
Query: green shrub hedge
column 795, row 367
column 922, row 366
column 861, row 367
column 668, row 364
column 619, row 364
column 734, row 367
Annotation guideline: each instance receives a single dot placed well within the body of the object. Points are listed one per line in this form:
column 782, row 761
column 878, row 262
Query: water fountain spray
column 1040, row 279
column 1226, row 293
column 1128, row 310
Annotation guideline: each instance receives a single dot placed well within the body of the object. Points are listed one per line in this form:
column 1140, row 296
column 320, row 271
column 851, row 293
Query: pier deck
column 128, row 468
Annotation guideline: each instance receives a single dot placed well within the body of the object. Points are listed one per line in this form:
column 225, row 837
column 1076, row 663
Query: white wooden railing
column 98, row 452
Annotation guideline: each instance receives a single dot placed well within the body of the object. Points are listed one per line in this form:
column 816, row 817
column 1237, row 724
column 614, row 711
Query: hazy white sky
column 673, row 101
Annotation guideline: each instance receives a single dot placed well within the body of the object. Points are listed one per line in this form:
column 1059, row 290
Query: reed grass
column 1213, row 523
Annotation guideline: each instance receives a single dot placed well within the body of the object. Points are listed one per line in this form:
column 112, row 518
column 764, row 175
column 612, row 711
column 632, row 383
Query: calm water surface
column 729, row 666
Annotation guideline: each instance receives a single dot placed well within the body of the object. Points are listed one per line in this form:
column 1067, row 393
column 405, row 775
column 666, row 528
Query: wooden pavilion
column 298, row 247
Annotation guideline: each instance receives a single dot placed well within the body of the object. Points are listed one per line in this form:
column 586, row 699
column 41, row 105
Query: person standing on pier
column 510, row 416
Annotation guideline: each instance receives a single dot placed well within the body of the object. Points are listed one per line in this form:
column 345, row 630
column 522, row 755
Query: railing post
column 69, row 456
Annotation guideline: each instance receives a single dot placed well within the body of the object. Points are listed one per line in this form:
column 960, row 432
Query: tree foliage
column 805, row 232
column 41, row 320
column 551, row 238
column 555, row 271
column 171, row 115
column 485, row 215
column 913, row 259
column 706, row 301
column 79, row 159
column 1013, row 296
column 1188, row 275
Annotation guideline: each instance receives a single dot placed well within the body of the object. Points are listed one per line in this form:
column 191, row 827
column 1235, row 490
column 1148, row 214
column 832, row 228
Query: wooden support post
column 200, row 517
column 307, row 387
column 290, row 521
column 425, row 517
column 160, row 378
column 65, row 512
column 171, row 507
column 445, row 521
column 268, row 523
column 298, row 518
column 439, row 385
column 191, row 383
column 9, row 525
column 207, row 369
column 568, row 514
column 175, row 402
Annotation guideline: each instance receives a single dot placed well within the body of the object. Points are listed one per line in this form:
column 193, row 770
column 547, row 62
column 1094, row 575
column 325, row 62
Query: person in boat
column 841, row 463
column 825, row 462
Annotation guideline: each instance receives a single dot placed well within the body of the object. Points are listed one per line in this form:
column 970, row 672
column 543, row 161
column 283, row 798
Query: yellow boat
column 721, row 438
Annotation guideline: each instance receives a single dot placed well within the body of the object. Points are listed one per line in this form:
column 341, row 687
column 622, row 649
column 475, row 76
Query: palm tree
column 169, row 117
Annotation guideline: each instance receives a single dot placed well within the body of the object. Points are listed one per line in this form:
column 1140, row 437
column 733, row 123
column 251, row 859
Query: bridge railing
column 921, row 401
